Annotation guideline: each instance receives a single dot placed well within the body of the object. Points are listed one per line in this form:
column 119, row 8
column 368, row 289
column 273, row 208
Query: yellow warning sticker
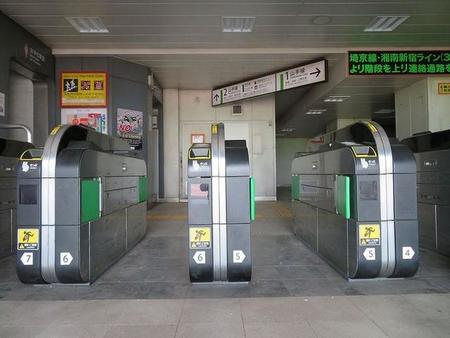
column 369, row 234
column 200, row 238
column 27, row 239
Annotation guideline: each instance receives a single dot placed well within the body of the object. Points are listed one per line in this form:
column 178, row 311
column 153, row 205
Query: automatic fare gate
column 10, row 151
column 354, row 201
column 432, row 153
column 221, row 205
column 81, row 206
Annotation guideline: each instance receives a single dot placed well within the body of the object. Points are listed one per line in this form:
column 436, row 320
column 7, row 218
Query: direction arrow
column 407, row 252
column 27, row 258
column 216, row 97
column 369, row 254
column 238, row 256
column 199, row 257
column 65, row 258
column 317, row 72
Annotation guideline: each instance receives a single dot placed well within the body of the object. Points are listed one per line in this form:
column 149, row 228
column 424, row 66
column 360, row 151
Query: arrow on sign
column 317, row 72
column 27, row 258
column 407, row 252
column 65, row 258
column 238, row 256
column 369, row 254
column 216, row 97
column 199, row 257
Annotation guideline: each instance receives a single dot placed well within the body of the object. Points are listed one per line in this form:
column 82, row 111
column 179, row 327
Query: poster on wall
column 84, row 89
column 94, row 118
column 130, row 126
column 2, row 104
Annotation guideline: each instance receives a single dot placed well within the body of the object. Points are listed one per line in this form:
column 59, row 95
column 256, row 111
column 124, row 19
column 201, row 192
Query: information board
column 398, row 62
column 83, row 89
column 301, row 76
column 290, row 78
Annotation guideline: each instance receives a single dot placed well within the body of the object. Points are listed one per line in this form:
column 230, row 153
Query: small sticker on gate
column 369, row 234
column 199, row 238
column 27, row 239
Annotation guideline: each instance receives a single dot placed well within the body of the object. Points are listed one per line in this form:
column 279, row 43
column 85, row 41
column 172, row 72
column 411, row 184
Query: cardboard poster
column 94, row 118
column 84, row 89
column 2, row 104
column 130, row 126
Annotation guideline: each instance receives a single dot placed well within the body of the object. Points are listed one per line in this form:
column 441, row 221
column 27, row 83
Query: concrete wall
column 36, row 62
column 420, row 108
column 190, row 111
column 286, row 149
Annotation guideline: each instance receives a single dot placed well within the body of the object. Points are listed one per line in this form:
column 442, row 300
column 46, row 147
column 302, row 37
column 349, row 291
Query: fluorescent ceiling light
column 384, row 111
column 88, row 24
column 315, row 111
column 385, row 23
column 336, row 98
column 287, row 130
column 238, row 24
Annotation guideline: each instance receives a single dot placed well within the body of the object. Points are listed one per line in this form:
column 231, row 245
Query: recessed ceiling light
column 336, row 98
column 238, row 24
column 87, row 24
column 321, row 20
column 315, row 111
column 385, row 23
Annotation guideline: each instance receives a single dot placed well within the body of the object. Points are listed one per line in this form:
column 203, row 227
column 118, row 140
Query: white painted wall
column 286, row 149
column 195, row 114
column 420, row 108
column 171, row 144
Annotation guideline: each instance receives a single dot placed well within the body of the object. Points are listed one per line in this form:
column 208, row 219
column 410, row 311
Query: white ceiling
column 182, row 41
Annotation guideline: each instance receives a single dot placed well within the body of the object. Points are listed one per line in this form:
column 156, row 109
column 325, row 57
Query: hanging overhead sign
column 399, row 62
column 84, row 89
column 287, row 79
column 301, row 76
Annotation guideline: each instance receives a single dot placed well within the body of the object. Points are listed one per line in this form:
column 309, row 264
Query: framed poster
column 91, row 117
column 197, row 138
column 130, row 126
column 84, row 89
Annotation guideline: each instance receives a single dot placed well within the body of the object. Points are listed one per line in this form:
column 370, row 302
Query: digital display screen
column 28, row 194
column 398, row 62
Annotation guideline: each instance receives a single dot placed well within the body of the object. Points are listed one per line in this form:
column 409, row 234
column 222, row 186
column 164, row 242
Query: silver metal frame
column 219, row 202
column 21, row 127
column 386, row 164
column 48, row 205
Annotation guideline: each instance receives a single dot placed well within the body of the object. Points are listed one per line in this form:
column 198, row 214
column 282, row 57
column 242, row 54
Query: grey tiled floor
column 282, row 266
column 293, row 293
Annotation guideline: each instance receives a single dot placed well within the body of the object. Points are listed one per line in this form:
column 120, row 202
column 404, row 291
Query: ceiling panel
column 185, row 48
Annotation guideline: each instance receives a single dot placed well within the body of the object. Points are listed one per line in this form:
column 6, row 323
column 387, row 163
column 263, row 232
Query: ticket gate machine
column 10, row 151
column 81, row 206
column 432, row 153
column 221, row 205
column 355, row 204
